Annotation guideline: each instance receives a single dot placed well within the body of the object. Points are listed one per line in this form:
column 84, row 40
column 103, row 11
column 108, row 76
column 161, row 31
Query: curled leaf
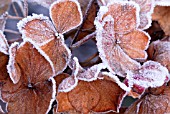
column 151, row 74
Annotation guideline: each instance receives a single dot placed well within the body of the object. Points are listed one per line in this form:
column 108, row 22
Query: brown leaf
column 159, row 51
column 151, row 104
column 3, row 69
column 111, row 52
column 34, row 91
column 162, row 15
column 124, row 15
column 39, row 29
column 65, row 15
column 4, row 6
column 101, row 95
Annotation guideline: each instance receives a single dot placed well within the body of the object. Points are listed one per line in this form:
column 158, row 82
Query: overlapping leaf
column 99, row 94
column 118, row 39
column 159, row 51
column 50, row 38
column 33, row 91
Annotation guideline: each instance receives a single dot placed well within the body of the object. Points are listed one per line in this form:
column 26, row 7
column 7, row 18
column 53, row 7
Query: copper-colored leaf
column 151, row 104
column 162, row 15
column 66, row 15
column 135, row 43
column 3, row 63
column 111, row 53
column 33, row 92
column 124, row 14
column 101, row 95
column 39, row 29
column 159, row 51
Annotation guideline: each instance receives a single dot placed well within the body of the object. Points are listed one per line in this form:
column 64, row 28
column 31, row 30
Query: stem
column 15, row 10
column 14, row 40
column 84, row 18
column 25, row 8
column 14, row 17
column 82, row 41
column 11, row 31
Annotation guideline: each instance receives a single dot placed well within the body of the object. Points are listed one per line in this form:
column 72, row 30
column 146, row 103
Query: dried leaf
column 162, row 15
column 111, row 53
column 151, row 104
column 159, row 51
column 39, row 29
column 125, row 15
column 66, row 15
column 4, row 6
column 151, row 74
column 101, row 95
column 33, row 92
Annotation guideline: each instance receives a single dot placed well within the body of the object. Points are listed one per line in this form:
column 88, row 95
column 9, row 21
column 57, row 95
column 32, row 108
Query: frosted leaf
column 12, row 67
column 61, row 10
column 90, row 96
column 104, row 2
column 162, row 2
column 125, row 15
column 38, row 28
column 151, row 74
column 58, row 53
column 3, row 43
column 145, row 21
column 159, row 51
column 110, row 51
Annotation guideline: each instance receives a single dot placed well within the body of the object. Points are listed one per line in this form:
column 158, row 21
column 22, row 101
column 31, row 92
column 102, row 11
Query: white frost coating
column 21, row 24
column 92, row 73
column 103, row 10
column 131, row 3
column 114, row 77
column 151, row 74
column 162, row 2
column 68, row 84
column 79, row 9
column 10, row 67
column 3, row 44
column 138, row 107
column 41, row 52
column 99, row 38
column 99, row 29
column 53, row 94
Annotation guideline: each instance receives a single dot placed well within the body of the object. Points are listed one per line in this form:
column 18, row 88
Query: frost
column 12, row 68
column 3, row 43
column 151, row 74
